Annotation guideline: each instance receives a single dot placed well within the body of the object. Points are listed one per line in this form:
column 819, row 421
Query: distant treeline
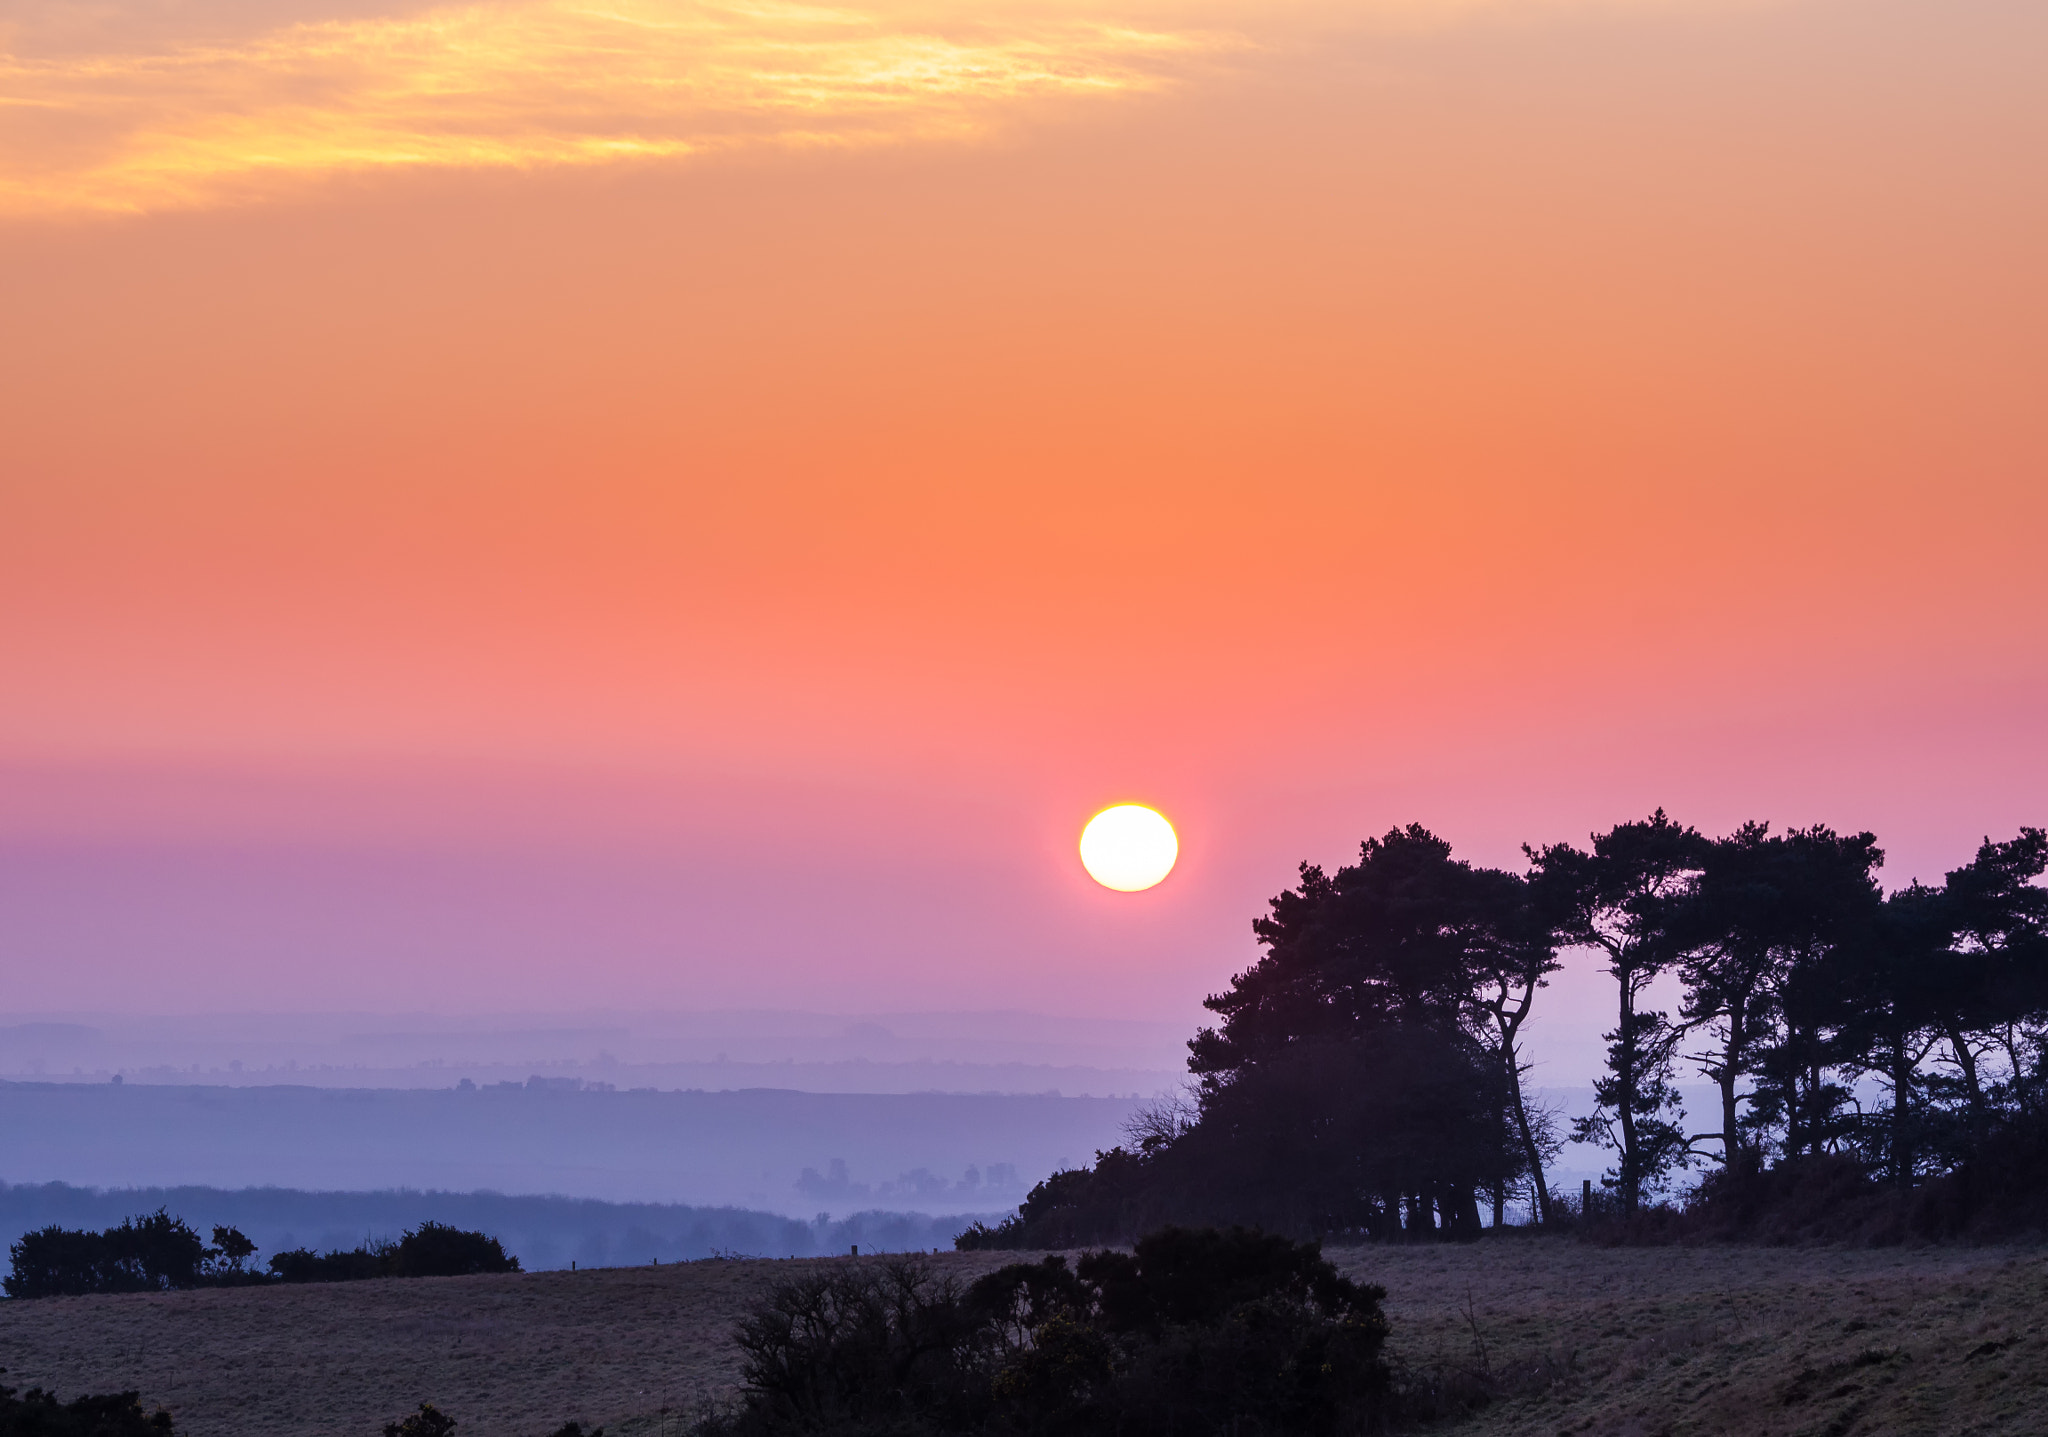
column 543, row 1232
column 1366, row 1072
column 157, row 1252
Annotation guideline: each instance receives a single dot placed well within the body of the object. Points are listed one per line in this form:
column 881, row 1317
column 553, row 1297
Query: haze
column 514, row 510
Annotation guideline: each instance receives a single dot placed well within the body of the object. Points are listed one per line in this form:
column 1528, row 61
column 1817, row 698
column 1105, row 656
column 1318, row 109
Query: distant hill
column 771, row 1150
column 542, row 1232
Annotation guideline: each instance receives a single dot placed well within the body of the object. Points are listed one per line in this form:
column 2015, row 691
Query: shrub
column 1193, row 1333
column 436, row 1250
column 430, row 1250
column 304, row 1265
column 429, row 1421
column 150, row 1253
column 37, row 1413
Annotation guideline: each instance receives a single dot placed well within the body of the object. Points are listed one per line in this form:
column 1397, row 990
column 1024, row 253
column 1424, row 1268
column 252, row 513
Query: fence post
column 1586, row 1197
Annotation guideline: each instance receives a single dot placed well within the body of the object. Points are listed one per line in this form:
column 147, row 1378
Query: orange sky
column 696, row 504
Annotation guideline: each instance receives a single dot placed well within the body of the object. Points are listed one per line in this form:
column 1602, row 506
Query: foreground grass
column 1641, row 1342
column 1559, row 1337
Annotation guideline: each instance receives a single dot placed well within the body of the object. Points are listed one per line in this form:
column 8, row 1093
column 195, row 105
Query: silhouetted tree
column 1619, row 898
column 1993, row 983
column 1889, row 1028
column 150, row 1253
column 1407, row 952
column 1365, row 1072
column 1770, row 934
column 231, row 1249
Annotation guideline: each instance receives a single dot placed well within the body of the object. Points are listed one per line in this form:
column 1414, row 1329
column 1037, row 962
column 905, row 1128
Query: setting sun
column 1128, row 847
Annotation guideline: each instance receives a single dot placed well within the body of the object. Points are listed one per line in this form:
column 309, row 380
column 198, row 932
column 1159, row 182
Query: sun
column 1128, row 847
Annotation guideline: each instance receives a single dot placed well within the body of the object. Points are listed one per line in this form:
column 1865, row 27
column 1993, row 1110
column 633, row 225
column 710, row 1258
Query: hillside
column 1604, row 1341
column 793, row 1153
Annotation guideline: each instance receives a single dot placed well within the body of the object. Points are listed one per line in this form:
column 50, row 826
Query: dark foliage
column 429, row 1421
column 1192, row 1333
column 1364, row 1076
column 430, row 1250
column 157, row 1253
column 36, row 1413
column 1999, row 1193
column 436, row 1250
column 1620, row 898
column 151, row 1253
column 301, row 1264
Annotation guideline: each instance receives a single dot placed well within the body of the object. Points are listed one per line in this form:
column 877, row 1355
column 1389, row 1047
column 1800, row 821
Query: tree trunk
column 1725, row 1080
column 1529, row 1149
column 1631, row 1180
column 1902, row 1094
column 1966, row 1059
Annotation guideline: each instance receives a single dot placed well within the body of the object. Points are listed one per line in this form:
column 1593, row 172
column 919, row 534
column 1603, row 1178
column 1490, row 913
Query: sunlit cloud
column 526, row 85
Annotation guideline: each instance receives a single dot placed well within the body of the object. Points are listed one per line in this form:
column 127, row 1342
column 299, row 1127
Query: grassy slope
column 1752, row 1341
column 1603, row 1341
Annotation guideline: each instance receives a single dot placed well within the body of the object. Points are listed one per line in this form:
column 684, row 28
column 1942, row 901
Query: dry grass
column 1761, row 1342
column 1562, row 1337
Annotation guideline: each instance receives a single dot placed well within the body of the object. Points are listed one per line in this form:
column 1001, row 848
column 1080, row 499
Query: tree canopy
column 1365, row 1073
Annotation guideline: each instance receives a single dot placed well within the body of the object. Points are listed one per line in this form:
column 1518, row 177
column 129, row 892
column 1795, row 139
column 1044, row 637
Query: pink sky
column 482, row 524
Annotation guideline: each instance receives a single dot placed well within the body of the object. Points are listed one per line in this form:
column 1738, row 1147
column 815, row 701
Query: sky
column 546, row 506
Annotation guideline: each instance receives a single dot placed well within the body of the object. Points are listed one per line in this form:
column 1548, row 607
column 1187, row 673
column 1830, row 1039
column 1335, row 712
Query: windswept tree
column 1620, row 898
column 1764, row 936
column 1822, row 924
column 1991, row 988
column 1516, row 959
column 1730, row 965
column 1889, row 1028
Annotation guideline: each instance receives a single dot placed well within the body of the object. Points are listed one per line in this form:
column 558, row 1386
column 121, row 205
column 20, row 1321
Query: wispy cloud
column 521, row 85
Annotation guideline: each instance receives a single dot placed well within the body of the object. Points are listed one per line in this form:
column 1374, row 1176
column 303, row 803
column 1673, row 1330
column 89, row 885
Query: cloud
column 526, row 85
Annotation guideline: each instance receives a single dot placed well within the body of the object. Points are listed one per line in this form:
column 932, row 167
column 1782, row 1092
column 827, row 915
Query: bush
column 1193, row 1333
column 436, row 1250
column 151, row 1253
column 302, row 1264
column 430, row 1250
column 37, row 1413
column 429, row 1421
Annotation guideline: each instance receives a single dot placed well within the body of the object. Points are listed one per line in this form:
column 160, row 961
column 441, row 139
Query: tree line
column 1367, row 1073
column 156, row 1252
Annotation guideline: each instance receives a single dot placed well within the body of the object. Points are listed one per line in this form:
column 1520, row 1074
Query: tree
column 232, row 1249
column 150, row 1253
column 1334, row 1135
column 1764, row 933
column 1619, row 898
column 1888, row 1029
column 1411, row 942
column 1992, row 987
column 1506, row 972
column 1390, row 939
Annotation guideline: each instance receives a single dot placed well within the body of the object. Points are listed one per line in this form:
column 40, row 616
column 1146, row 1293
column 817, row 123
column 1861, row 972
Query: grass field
column 1614, row 1342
